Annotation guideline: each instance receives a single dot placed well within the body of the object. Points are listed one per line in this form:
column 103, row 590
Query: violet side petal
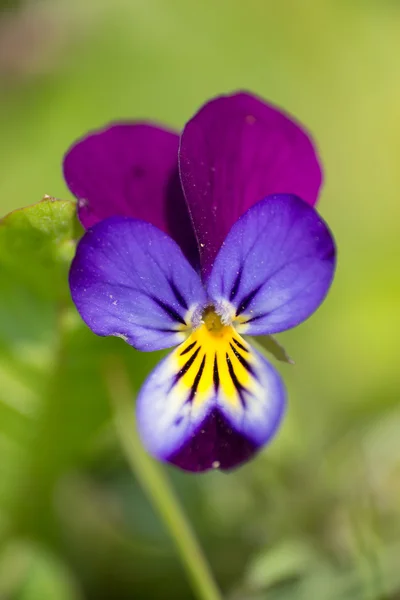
column 275, row 266
column 235, row 151
column 131, row 280
column 131, row 169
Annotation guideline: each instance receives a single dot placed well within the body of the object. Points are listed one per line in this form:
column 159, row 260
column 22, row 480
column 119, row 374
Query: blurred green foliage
column 316, row 515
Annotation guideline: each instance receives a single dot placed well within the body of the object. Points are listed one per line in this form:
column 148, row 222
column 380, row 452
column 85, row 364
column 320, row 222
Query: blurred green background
column 316, row 515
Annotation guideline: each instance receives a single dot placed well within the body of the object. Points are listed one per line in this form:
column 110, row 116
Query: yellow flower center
column 214, row 358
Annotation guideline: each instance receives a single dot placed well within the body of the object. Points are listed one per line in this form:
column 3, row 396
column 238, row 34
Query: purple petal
column 275, row 266
column 235, row 151
column 130, row 280
column 205, row 408
column 165, row 417
column 131, row 169
column 215, row 444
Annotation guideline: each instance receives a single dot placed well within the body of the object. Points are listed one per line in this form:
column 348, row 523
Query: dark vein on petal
column 185, row 367
column 239, row 345
column 180, row 299
column 169, row 310
column 216, row 374
column 188, row 349
column 197, row 380
column 239, row 387
column 288, row 301
column 247, row 300
column 236, row 284
column 255, row 318
column 243, row 361
column 162, row 330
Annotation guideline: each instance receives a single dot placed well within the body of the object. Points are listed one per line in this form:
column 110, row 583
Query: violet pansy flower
column 195, row 242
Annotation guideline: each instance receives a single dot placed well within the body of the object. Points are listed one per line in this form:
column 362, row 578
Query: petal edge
column 204, row 408
column 131, row 280
column 275, row 266
column 131, row 169
column 235, row 151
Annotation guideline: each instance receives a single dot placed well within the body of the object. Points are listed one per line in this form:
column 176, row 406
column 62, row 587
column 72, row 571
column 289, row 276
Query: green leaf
column 36, row 245
column 53, row 396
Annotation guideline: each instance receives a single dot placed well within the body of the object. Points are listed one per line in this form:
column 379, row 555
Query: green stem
column 155, row 483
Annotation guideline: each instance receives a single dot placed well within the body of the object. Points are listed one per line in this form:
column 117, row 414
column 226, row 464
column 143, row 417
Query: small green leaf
column 268, row 343
column 37, row 244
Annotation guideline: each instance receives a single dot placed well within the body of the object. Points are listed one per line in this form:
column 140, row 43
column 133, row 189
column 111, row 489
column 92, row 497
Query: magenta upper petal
column 235, row 151
column 131, row 169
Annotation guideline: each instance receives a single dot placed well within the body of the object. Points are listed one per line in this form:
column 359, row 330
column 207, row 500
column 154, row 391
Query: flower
column 230, row 246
